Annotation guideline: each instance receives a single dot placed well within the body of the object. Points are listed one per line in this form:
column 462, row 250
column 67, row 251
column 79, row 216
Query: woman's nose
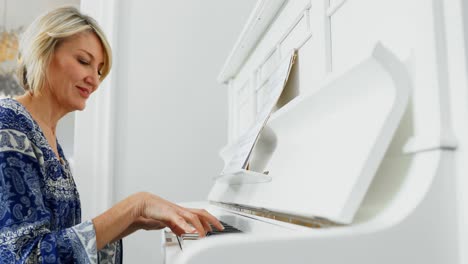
column 93, row 79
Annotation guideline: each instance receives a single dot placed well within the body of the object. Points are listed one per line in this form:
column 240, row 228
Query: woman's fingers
column 207, row 218
column 200, row 219
column 180, row 226
column 179, row 219
column 195, row 222
column 206, row 225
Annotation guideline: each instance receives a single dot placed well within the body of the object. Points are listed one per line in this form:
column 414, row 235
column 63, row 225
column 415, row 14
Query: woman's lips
column 83, row 92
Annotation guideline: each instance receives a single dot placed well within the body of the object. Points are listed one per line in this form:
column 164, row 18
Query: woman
column 64, row 56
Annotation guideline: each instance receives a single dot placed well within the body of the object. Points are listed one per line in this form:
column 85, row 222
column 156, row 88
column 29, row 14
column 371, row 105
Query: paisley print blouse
column 40, row 213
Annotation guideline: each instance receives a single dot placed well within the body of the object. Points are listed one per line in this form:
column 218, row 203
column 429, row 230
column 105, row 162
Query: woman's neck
column 43, row 109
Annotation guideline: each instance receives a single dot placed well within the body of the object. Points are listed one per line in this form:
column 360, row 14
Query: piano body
column 355, row 165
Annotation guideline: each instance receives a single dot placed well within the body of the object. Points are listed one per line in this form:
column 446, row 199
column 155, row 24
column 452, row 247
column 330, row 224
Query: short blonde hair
column 40, row 39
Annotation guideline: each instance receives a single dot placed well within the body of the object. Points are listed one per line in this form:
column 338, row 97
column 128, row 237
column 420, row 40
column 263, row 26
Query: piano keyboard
column 227, row 229
column 234, row 224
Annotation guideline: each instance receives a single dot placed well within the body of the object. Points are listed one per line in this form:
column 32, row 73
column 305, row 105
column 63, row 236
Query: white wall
column 171, row 114
column 20, row 13
column 456, row 15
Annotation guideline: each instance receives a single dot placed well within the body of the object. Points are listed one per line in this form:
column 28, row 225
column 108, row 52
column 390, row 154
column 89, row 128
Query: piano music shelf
column 243, row 177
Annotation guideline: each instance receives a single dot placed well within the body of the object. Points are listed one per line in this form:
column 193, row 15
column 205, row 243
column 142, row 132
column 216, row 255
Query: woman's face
column 74, row 70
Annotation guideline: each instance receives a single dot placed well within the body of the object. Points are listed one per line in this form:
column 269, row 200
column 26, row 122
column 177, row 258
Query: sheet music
column 241, row 150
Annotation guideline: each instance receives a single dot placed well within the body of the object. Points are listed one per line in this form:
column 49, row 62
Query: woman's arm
column 144, row 211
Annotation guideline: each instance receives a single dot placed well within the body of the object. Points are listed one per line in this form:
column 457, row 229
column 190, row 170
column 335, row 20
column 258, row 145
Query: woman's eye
column 84, row 62
column 99, row 72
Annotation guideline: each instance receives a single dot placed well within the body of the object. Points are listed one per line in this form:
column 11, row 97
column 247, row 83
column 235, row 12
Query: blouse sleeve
column 111, row 253
column 28, row 232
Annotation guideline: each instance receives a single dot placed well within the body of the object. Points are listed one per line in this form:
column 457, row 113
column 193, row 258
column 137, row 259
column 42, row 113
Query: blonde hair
column 40, row 39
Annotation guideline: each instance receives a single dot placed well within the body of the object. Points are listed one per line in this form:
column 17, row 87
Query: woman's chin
column 79, row 106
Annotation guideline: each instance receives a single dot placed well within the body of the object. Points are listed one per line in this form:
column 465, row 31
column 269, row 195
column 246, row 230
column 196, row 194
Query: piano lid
column 327, row 146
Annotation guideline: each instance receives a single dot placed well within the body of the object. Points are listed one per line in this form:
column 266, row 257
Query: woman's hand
column 147, row 224
column 179, row 219
column 148, row 211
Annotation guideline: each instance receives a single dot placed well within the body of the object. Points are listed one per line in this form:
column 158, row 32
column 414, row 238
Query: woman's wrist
column 114, row 223
column 139, row 202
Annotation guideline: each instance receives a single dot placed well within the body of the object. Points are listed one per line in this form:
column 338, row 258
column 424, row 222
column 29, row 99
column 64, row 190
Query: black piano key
column 228, row 229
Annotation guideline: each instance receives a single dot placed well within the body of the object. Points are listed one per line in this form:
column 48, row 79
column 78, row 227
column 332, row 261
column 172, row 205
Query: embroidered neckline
column 37, row 129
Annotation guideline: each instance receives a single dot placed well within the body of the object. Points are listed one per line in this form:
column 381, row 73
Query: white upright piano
column 355, row 164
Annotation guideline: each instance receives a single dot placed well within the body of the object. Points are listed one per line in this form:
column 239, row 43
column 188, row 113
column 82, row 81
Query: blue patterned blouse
column 40, row 213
